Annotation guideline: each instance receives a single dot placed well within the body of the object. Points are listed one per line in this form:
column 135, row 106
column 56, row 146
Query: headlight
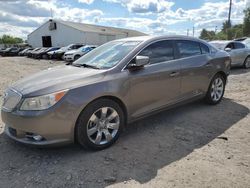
column 42, row 102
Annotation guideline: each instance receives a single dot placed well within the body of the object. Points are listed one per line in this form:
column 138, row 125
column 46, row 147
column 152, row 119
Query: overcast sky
column 20, row 17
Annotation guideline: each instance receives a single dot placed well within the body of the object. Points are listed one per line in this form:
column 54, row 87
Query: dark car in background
column 29, row 54
column 44, row 54
column 36, row 53
column 119, row 82
column 23, row 52
column 11, row 51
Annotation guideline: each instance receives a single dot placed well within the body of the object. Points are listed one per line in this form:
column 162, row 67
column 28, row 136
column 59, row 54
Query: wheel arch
column 110, row 97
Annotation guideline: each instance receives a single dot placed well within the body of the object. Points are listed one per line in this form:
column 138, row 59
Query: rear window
column 188, row 48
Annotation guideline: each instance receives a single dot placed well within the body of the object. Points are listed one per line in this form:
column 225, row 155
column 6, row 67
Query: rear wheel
column 216, row 90
column 100, row 124
column 247, row 63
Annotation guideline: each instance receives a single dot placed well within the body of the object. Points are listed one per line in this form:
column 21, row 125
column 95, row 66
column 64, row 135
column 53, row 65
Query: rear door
column 240, row 52
column 157, row 84
column 195, row 67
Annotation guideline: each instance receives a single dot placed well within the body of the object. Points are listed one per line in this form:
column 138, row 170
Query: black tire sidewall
column 208, row 97
column 81, row 125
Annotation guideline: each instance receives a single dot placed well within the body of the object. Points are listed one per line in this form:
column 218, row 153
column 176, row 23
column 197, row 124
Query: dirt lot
column 195, row 145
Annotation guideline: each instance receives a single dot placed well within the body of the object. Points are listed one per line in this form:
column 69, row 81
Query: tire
column 45, row 56
column 76, row 57
column 91, row 128
column 247, row 63
column 216, row 90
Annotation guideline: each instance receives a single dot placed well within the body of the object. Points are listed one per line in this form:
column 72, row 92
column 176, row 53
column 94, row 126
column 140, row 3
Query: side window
column 238, row 45
column 159, row 52
column 230, row 45
column 204, row 49
column 188, row 48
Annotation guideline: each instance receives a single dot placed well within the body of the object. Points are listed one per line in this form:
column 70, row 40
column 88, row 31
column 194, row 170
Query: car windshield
column 218, row 45
column 107, row 55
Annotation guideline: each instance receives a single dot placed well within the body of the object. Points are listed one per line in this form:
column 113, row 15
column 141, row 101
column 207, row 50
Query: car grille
column 11, row 99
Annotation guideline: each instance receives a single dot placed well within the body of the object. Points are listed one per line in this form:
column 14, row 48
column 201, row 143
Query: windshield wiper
column 86, row 65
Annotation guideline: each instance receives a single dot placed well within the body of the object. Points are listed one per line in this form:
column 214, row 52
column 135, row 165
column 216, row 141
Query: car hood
column 56, row 79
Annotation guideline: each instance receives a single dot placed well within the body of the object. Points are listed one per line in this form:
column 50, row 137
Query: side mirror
column 228, row 49
column 140, row 61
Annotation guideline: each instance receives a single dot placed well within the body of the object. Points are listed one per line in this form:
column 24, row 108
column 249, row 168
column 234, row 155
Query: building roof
column 99, row 29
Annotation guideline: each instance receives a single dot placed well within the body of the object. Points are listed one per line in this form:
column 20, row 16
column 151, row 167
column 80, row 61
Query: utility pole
column 229, row 14
column 193, row 31
column 187, row 32
column 51, row 13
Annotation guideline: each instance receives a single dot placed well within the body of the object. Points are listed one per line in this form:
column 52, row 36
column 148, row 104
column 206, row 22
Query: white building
column 60, row 33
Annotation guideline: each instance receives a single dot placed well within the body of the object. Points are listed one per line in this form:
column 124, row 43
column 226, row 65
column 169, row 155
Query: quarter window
column 238, row 45
column 159, row 52
column 188, row 48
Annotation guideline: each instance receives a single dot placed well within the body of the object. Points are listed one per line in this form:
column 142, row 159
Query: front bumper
column 55, row 126
column 68, row 57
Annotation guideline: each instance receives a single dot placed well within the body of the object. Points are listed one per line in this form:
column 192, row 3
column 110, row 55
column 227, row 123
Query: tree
column 207, row 35
column 246, row 22
column 7, row 39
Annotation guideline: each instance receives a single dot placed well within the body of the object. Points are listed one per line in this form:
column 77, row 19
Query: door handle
column 173, row 74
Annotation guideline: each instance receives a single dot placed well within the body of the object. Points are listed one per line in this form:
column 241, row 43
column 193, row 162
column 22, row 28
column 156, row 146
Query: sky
column 154, row 17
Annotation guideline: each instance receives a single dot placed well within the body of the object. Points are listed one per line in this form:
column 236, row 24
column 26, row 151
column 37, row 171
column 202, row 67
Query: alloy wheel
column 217, row 89
column 103, row 125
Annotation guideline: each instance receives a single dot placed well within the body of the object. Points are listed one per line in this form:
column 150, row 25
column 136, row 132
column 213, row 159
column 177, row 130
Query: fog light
column 37, row 138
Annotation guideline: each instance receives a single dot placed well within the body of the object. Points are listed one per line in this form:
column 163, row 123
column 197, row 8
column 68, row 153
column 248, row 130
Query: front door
column 157, row 84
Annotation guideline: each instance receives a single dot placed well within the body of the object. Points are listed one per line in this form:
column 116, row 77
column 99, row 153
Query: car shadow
column 238, row 70
column 145, row 147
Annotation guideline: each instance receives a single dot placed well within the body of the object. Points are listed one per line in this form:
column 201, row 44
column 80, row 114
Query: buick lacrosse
column 92, row 100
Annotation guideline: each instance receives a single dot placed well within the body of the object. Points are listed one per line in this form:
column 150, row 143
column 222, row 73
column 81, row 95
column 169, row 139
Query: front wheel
column 216, row 90
column 247, row 63
column 76, row 57
column 100, row 124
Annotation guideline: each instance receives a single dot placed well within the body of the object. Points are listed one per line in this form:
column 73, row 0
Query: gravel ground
column 195, row 145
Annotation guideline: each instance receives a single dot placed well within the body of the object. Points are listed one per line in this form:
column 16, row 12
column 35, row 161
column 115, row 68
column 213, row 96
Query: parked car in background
column 37, row 53
column 30, row 52
column 244, row 40
column 239, row 52
column 11, row 51
column 119, row 82
column 4, row 50
column 44, row 54
column 23, row 52
column 59, row 53
column 73, row 55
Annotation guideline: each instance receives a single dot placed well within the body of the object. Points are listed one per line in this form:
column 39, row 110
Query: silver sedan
column 239, row 52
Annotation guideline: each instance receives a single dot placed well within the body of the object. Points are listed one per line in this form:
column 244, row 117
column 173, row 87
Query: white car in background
column 59, row 54
column 73, row 55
